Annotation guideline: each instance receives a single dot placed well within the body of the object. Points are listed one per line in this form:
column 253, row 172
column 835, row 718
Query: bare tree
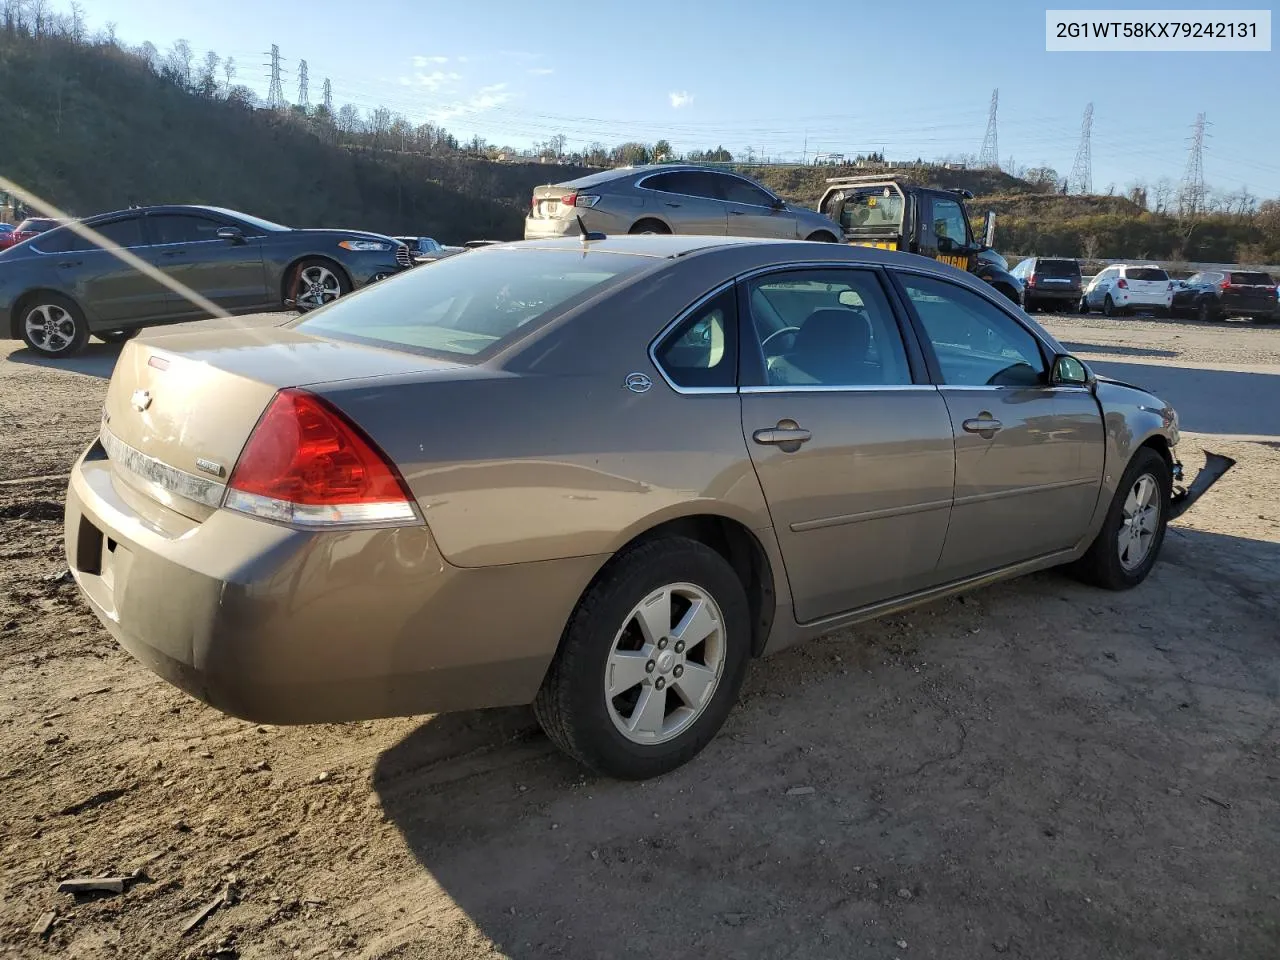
column 14, row 13
column 207, row 84
column 76, row 22
column 1089, row 247
column 178, row 63
column 1164, row 194
column 229, row 72
column 107, row 35
column 39, row 10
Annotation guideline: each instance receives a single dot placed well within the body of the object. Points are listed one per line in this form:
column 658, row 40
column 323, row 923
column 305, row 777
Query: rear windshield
column 1057, row 268
column 591, row 179
column 865, row 208
column 1252, row 279
column 36, row 224
column 473, row 303
column 1146, row 273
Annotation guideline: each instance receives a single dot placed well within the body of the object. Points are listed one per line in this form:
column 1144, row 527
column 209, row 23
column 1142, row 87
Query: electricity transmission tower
column 1191, row 195
column 275, row 92
column 1081, row 179
column 304, row 90
column 989, row 157
column 328, row 95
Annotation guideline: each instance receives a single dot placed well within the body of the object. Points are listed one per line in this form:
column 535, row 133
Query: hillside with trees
column 93, row 125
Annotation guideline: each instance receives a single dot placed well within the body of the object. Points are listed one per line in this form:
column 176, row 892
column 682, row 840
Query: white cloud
column 542, row 71
column 462, row 59
column 427, row 61
column 431, row 81
column 486, row 98
column 680, row 99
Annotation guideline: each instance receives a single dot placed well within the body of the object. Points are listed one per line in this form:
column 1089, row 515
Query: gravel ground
column 1034, row 770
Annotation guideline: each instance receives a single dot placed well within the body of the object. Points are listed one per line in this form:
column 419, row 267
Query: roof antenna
column 587, row 234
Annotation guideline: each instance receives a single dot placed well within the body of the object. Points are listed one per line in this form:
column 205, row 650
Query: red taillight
column 1031, row 280
column 1122, row 283
column 570, row 200
column 1225, row 285
column 306, row 463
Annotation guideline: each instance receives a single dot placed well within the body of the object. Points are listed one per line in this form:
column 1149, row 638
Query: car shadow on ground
column 1207, row 401
column 1118, row 350
column 964, row 780
column 95, row 360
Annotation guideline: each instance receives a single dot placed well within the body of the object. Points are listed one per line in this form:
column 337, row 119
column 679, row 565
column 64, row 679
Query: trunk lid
column 181, row 406
column 546, row 201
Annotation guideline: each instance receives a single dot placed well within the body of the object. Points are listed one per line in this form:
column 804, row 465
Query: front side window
column 702, row 350
column 830, row 328
column 464, row 306
column 949, row 223
column 976, row 343
column 182, row 228
column 737, row 190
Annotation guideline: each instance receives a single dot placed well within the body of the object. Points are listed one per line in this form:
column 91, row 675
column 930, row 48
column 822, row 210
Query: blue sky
column 783, row 78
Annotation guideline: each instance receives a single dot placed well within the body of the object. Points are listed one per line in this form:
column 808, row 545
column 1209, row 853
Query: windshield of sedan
column 473, row 303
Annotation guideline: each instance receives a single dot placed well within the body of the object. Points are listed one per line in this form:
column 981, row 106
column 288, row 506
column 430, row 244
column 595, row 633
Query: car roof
column 163, row 208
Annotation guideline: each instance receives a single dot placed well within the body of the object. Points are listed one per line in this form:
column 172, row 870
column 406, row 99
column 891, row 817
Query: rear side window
column 1244, row 279
column 1061, row 269
column 703, row 350
column 1146, row 273
column 473, row 303
column 689, row 183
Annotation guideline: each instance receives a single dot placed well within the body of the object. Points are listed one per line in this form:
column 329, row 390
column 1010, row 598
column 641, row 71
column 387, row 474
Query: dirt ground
column 1035, row 770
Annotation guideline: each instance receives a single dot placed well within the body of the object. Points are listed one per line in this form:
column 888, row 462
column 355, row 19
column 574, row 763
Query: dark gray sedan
column 58, row 288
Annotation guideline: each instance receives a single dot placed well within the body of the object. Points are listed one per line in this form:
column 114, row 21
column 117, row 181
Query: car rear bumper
column 547, row 228
column 277, row 625
column 1055, row 294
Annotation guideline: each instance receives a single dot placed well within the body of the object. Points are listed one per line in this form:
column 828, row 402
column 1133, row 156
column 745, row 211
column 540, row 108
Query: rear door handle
column 738, row 213
column 670, row 204
column 174, row 253
column 68, row 264
column 782, row 435
column 983, row 425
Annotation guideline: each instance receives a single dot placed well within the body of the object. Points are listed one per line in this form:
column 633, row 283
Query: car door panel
column 108, row 289
column 860, row 504
column 687, row 201
column 1028, row 455
column 750, row 211
column 228, row 273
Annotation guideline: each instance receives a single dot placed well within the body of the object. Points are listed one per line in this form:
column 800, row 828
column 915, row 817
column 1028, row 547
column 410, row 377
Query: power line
column 989, row 156
column 304, row 90
column 1081, row 179
column 1191, row 196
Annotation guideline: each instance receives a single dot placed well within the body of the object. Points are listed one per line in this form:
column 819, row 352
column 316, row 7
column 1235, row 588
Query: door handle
column 786, row 434
column 670, row 204
column 174, row 253
column 738, row 213
column 984, row 426
column 68, row 264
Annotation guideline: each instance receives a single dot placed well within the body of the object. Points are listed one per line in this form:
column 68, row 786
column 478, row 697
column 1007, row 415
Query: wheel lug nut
column 679, row 646
column 662, row 644
column 659, row 683
column 678, row 671
column 649, row 667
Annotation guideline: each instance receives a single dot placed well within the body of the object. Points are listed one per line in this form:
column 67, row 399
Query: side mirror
column 989, row 229
column 233, row 234
column 777, row 203
column 946, row 245
column 1069, row 372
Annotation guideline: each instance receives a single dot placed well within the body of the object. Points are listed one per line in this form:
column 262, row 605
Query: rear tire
column 1108, row 307
column 821, row 236
column 650, row 226
column 53, row 325
column 1205, row 313
column 1118, row 559
column 612, row 698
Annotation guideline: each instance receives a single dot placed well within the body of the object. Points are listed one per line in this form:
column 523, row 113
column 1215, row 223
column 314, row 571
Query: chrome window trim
column 847, row 388
column 165, row 483
column 681, row 318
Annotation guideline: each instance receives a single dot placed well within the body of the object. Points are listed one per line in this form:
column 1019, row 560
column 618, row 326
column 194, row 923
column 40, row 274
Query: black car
column 1219, row 294
column 1049, row 282
column 58, row 288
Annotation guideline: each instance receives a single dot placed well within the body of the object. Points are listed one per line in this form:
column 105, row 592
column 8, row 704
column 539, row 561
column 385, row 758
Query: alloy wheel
column 318, row 285
column 50, row 328
column 665, row 664
column 1140, row 522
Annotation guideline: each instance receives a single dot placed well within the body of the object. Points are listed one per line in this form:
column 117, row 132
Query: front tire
column 1108, row 306
column 1205, row 313
column 117, row 336
column 1083, row 305
column 53, row 326
column 651, row 661
column 1127, row 546
column 317, row 281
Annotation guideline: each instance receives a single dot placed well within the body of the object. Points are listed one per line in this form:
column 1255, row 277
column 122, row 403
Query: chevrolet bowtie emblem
column 141, row 399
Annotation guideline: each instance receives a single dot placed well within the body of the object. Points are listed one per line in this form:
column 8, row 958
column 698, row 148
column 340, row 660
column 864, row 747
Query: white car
column 1124, row 287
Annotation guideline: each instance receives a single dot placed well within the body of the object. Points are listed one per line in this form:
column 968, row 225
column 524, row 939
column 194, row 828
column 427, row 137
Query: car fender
column 1132, row 418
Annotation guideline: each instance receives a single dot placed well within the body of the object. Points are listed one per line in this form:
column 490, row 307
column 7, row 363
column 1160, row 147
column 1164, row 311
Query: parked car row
column 1124, row 288
column 25, row 230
